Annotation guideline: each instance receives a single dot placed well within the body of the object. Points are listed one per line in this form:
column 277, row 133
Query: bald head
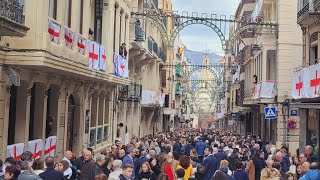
column 305, row 166
column 68, row 154
column 314, row 165
column 87, row 155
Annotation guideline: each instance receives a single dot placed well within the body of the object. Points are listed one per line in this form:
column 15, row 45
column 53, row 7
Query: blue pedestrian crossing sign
column 270, row 112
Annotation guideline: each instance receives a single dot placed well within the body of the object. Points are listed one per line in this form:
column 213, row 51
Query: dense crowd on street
column 180, row 155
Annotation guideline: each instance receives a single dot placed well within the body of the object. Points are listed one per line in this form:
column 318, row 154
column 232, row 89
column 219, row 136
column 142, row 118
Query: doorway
column 70, row 125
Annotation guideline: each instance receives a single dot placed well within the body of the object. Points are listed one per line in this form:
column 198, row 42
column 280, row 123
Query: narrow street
column 159, row 89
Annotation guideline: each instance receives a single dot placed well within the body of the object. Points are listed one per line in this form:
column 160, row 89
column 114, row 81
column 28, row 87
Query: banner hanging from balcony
column 102, row 58
column 306, row 82
column 264, row 90
column 35, row 146
column 81, row 45
column 50, row 146
column 15, row 150
column 54, row 31
column 120, row 66
column 68, row 37
column 94, row 55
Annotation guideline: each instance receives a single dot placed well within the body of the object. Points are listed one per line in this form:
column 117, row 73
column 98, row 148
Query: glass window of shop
column 313, row 127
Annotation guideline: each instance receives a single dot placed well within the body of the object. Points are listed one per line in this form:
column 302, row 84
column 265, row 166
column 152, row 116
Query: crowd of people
column 181, row 155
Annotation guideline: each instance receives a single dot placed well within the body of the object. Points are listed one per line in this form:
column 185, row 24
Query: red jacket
column 168, row 171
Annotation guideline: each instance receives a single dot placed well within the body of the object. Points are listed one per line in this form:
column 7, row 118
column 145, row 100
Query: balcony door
column 70, row 125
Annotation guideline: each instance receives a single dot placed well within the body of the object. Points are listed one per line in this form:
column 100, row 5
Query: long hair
column 65, row 165
column 165, row 161
column 148, row 165
column 163, row 176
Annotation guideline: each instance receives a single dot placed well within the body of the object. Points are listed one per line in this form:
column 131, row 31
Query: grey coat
column 25, row 175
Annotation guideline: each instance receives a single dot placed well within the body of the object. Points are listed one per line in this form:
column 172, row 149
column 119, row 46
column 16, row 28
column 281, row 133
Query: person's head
column 224, row 169
column 27, row 156
column 145, row 167
column 122, row 153
column 176, row 155
column 49, row 162
column 180, row 173
column 208, row 151
column 127, row 170
column 163, row 176
column 224, row 163
column 50, row 120
column 219, row 175
column 276, row 165
column 68, row 154
column 268, row 147
column 279, row 156
column 101, row 159
column 58, row 166
column 132, row 152
column 117, row 164
column 238, row 165
column 295, row 159
column 10, row 161
column 168, row 158
column 269, row 163
column 101, row 177
column 12, row 172
column 65, row 165
column 114, row 149
column 87, row 155
column 314, row 165
column 284, row 150
column 303, row 157
column 193, row 152
column 305, row 166
column 38, row 164
column 289, row 176
column 123, row 45
column 299, row 168
column 308, row 150
column 184, row 161
column 24, row 165
column 91, row 150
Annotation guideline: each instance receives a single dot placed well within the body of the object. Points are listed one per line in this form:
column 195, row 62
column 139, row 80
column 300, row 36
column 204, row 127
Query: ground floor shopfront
column 72, row 110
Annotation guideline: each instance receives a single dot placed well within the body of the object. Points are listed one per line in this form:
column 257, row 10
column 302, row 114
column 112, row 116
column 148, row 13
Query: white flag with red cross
column 123, row 67
column 81, row 45
column 267, row 89
column 93, row 55
column 103, row 58
column 298, row 83
column 15, row 150
column 54, row 31
column 312, row 79
column 50, row 146
column 68, row 37
column 35, row 146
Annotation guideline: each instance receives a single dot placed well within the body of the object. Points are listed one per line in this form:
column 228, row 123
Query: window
column 67, row 15
column 314, row 48
column 80, row 17
column 98, row 20
column 53, row 9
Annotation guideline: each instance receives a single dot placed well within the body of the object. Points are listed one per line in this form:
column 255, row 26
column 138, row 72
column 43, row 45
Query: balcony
column 262, row 92
column 155, row 49
column 178, row 90
column 178, row 71
column 130, row 92
column 307, row 16
column 12, row 19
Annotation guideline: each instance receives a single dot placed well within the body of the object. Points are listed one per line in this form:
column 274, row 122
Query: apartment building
column 58, row 77
column 266, row 56
column 305, row 91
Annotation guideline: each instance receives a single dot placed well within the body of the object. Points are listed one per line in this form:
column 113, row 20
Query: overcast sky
column 200, row 37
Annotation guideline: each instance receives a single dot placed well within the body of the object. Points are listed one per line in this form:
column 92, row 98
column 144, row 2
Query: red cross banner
column 103, row 58
column 50, row 146
column 298, row 84
column 54, row 31
column 93, row 55
column 35, row 146
column 68, row 37
column 81, row 45
column 313, row 76
column 15, row 150
column 122, row 67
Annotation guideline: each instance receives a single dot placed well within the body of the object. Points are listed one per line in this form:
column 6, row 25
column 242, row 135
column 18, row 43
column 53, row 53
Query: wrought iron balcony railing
column 155, row 49
column 12, row 10
column 132, row 91
column 304, row 10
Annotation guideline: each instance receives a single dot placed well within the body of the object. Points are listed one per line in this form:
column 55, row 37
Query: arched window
column 313, row 57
